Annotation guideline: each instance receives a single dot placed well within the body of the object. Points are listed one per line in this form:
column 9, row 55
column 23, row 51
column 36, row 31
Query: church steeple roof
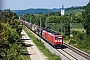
column 62, row 7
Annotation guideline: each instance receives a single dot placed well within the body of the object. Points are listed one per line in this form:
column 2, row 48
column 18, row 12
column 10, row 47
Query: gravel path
column 35, row 54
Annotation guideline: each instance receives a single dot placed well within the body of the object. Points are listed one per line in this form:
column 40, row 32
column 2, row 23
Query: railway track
column 83, row 54
column 67, row 55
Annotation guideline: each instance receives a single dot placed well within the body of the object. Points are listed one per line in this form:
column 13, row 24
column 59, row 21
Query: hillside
column 71, row 10
column 35, row 11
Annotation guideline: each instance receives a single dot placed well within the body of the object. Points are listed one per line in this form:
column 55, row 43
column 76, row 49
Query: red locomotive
column 54, row 38
column 22, row 21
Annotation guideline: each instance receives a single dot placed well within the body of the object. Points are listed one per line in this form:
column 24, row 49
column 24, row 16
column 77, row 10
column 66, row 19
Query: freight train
column 55, row 39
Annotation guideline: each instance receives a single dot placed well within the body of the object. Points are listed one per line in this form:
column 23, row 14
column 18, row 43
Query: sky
column 25, row 4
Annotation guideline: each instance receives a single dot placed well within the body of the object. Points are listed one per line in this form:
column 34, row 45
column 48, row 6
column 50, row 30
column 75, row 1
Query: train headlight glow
column 55, row 40
column 60, row 40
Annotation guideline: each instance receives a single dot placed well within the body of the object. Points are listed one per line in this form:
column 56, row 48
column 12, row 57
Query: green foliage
column 59, row 24
column 77, row 26
column 73, row 10
column 80, row 41
column 77, row 18
column 86, row 17
column 58, row 13
column 8, row 16
column 35, row 19
column 52, row 19
column 12, row 19
column 78, row 35
column 16, row 25
column 10, row 42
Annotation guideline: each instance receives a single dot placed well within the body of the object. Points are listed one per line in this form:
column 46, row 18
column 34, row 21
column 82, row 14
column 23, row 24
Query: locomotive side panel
column 44, row 34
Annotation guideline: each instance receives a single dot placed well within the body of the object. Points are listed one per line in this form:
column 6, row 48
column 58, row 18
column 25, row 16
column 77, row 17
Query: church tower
column 62, row 10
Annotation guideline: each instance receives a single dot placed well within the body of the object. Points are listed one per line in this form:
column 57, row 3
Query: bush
column 10, row 42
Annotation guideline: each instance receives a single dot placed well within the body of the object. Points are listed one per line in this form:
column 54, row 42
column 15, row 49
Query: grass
column 77, row 26
column 86, row 50
column 48, row 55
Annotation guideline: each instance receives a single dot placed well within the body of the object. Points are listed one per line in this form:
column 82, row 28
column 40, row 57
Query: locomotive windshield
column 58, row 37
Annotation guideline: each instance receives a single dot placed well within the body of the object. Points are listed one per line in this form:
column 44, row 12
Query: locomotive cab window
column 58, row 37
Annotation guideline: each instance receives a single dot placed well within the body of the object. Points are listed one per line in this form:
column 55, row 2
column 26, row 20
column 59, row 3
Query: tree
column 9, row 40
column 8, row 16
column 77, row 18
column 86, row 18
column 12, row 19
column 10, row 28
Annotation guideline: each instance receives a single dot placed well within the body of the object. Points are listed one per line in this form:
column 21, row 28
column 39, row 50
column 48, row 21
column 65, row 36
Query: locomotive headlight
column 55, row 40
column 60, row 40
